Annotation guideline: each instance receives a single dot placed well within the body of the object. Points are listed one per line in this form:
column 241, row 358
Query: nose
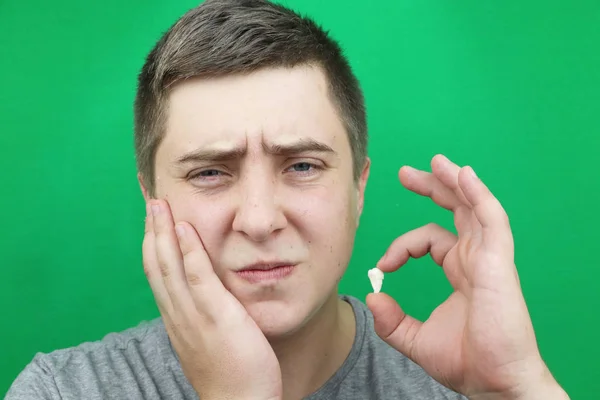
column 259, row 212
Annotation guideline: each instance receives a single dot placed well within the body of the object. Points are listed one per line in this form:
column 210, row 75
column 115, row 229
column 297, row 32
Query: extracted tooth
column 376, row 278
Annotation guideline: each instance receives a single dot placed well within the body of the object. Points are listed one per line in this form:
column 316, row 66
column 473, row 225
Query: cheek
column 208, row 218
column 200, row 214
column 327, row 210
column 327, row 220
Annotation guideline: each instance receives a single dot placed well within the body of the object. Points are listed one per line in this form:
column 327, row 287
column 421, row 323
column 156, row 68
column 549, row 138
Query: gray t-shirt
column 140, row 363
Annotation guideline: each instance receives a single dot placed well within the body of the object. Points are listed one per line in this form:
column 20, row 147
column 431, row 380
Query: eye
column 209, row 172
column 302, row 166
column 303, row 169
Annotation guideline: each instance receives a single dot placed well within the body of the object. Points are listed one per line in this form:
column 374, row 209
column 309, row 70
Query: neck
column 310, row 356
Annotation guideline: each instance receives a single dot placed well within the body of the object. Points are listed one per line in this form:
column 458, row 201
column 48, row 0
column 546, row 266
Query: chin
column 277, row 318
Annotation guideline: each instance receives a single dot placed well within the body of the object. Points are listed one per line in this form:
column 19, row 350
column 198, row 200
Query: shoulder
column 387, row 370
column 147, row 337
column 96, row 368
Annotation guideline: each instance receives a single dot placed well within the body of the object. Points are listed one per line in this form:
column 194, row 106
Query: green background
column 510, row 87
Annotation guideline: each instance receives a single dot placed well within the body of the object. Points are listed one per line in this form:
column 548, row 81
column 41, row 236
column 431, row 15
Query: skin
column 251, row 201
column 480, row 341
column 211, row 216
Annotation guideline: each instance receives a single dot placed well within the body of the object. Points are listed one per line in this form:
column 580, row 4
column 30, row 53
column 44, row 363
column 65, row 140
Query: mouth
column 266, row 266
column 266, row 272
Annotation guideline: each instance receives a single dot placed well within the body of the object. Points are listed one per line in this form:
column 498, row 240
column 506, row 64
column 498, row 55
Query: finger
column 463, row 221
column 426, row 184
column 430, row 238
column 151, row 268
column 488, row 210
column 392, row 324
column 168, row 255
column 205, row 286
column 447, row 172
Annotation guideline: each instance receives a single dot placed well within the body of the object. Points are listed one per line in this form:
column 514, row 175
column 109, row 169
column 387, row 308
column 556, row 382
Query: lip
column 265, row 266
column 266, row 272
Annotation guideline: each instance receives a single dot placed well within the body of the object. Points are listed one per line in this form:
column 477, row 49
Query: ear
column 362, row 185
column 143, row 187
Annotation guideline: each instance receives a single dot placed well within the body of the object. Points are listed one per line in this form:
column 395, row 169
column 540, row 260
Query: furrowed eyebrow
column 212, row 155
column 222, row 155
column 301, row 146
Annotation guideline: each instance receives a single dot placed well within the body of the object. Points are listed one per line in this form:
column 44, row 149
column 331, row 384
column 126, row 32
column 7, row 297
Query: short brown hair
column 223, row 37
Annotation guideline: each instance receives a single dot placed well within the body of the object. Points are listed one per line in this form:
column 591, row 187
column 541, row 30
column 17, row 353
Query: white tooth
column 376, row 278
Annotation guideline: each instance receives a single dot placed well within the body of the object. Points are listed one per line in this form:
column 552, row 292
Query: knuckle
column 193, row 278
column 175, row 330
column 165, row 271
column 432, row 226
column 398, row 242
column 147, row 269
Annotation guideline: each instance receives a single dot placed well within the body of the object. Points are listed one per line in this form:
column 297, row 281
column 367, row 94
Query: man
column 251, row 142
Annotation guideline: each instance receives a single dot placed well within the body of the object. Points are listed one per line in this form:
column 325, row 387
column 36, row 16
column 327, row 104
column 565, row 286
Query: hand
column 222, row 351
column 480, row 341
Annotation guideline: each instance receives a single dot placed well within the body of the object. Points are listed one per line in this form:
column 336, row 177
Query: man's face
column 261, row 166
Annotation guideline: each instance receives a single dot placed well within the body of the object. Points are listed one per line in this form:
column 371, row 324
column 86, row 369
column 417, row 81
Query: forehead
column 271, row 105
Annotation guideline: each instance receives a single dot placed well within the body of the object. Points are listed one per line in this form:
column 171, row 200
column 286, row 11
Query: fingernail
column 472, row 172
column 180, row 230
column 155, row 209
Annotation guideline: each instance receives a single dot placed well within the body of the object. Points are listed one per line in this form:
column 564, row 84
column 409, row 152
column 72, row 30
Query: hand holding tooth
column 480, row 340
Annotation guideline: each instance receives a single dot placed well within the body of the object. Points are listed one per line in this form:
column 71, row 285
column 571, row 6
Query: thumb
column 393, row 325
